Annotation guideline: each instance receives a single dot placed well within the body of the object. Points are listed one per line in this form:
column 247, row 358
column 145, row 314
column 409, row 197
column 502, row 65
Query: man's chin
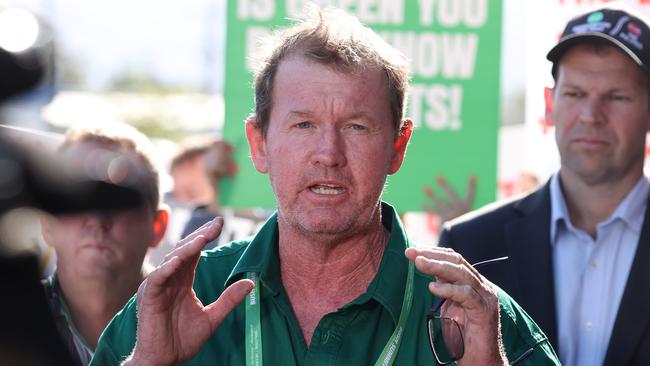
column 338, row 227
column 95, row 267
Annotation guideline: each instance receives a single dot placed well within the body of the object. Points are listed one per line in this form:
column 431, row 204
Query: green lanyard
column 254, row 326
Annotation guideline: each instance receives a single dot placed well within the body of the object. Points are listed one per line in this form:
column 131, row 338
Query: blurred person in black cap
column 28, row 333
column 579, row 247
column 101, row 253
column 31, row 180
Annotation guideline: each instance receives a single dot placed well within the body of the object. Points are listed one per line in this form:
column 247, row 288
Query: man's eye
column 572, row 94
column 304, row 124
column 618, row 97
column 358, row 127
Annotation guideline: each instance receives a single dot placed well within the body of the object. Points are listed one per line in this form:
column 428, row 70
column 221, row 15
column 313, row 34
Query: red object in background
column 590, row 2
column 507, row 188
column 545, row 123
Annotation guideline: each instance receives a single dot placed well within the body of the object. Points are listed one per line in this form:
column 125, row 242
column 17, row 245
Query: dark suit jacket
column 519, row 229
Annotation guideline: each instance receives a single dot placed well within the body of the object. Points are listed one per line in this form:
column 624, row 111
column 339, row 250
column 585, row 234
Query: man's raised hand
column 173, row 324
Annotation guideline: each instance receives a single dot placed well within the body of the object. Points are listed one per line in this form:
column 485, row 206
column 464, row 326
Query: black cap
column 619, row 27
column 45, row 182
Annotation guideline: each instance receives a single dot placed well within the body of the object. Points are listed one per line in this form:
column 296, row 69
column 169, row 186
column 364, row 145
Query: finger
column 157, row 280
column 465, row 296
column 451, row 194
column 445, row 264
column 446, row 271
column 210, row 229
column 441, row 254
column 437, row 201
column 471, row 190
column 164, row 271
column 192, row 250
column 232, row 296
column 188, row 255
column 431, row 252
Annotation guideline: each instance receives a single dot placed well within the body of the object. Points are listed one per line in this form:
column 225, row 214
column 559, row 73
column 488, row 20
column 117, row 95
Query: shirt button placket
column 325, row 337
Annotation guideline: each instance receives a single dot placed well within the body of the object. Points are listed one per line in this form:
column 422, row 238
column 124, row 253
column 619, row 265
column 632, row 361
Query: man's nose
column 592, row 111
column 99, row 220
column 330, row 148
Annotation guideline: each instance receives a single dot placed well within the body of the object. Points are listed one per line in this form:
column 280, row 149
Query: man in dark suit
column 579, row 247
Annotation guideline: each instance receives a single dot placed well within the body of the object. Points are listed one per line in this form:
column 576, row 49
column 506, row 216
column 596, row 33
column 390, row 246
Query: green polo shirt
column 353, row 335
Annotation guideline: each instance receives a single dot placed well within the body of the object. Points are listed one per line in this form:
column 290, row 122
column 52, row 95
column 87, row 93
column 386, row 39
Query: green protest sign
column 454, row 47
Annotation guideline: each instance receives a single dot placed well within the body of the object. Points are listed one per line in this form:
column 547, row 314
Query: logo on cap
column 634, row 29
column 595, row 17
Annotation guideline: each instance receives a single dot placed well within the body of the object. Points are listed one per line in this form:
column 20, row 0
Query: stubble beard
column 325, row 229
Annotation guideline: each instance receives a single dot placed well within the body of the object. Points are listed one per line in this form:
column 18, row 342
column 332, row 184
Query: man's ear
column 399, row 147
column 549, row 102
column 47, row 227
column 160, row 223
column 257, row 145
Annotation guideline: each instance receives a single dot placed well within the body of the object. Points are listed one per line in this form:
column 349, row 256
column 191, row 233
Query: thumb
column 232, row 296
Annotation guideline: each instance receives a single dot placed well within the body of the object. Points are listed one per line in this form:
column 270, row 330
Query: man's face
column 191, row 183
column 601, row 115
column 102, row 243
column 329, row 147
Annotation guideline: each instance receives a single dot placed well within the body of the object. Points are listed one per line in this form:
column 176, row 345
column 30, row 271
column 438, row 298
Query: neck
column 309, row 263
column 92, row 302
column 590, row 204
column 320, row 276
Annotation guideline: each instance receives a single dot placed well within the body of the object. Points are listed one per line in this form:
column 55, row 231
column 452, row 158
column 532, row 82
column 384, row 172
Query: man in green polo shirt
column 330, row 278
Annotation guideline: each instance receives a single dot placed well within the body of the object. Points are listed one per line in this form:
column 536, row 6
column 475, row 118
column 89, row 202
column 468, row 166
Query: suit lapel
column 633, row 315
column 529, row 248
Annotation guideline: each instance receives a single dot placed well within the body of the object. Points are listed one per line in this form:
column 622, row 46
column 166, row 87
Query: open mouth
column 327, row 189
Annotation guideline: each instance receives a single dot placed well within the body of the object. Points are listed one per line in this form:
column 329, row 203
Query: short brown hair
column 123, row 138
column 332, row 37
column 188, row 152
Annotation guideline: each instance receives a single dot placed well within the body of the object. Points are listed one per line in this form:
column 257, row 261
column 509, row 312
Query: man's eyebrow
column 569, row 85
column 351, row 116
column 300, row 113
column 613, row 89
column 360, row 115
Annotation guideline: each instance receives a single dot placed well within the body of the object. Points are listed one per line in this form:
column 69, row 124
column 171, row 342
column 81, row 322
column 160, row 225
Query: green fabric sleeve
column 118, row 339
column 520, row 333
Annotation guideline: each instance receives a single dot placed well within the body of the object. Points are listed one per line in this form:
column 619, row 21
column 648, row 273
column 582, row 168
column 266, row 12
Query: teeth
column 326, row 189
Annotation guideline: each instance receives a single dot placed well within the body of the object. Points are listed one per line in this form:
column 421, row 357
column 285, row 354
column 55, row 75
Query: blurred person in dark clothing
column 216, row 163
column 100, row 253
column 579, row 246
column 192, row 185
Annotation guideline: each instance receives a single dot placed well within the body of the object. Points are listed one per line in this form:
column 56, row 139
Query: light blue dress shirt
column 590, row 274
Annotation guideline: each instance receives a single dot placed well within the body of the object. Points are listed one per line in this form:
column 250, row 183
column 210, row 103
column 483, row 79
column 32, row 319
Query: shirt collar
column 261, row 255
column 60, row 307
column 387, row 288
column 631, row 210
